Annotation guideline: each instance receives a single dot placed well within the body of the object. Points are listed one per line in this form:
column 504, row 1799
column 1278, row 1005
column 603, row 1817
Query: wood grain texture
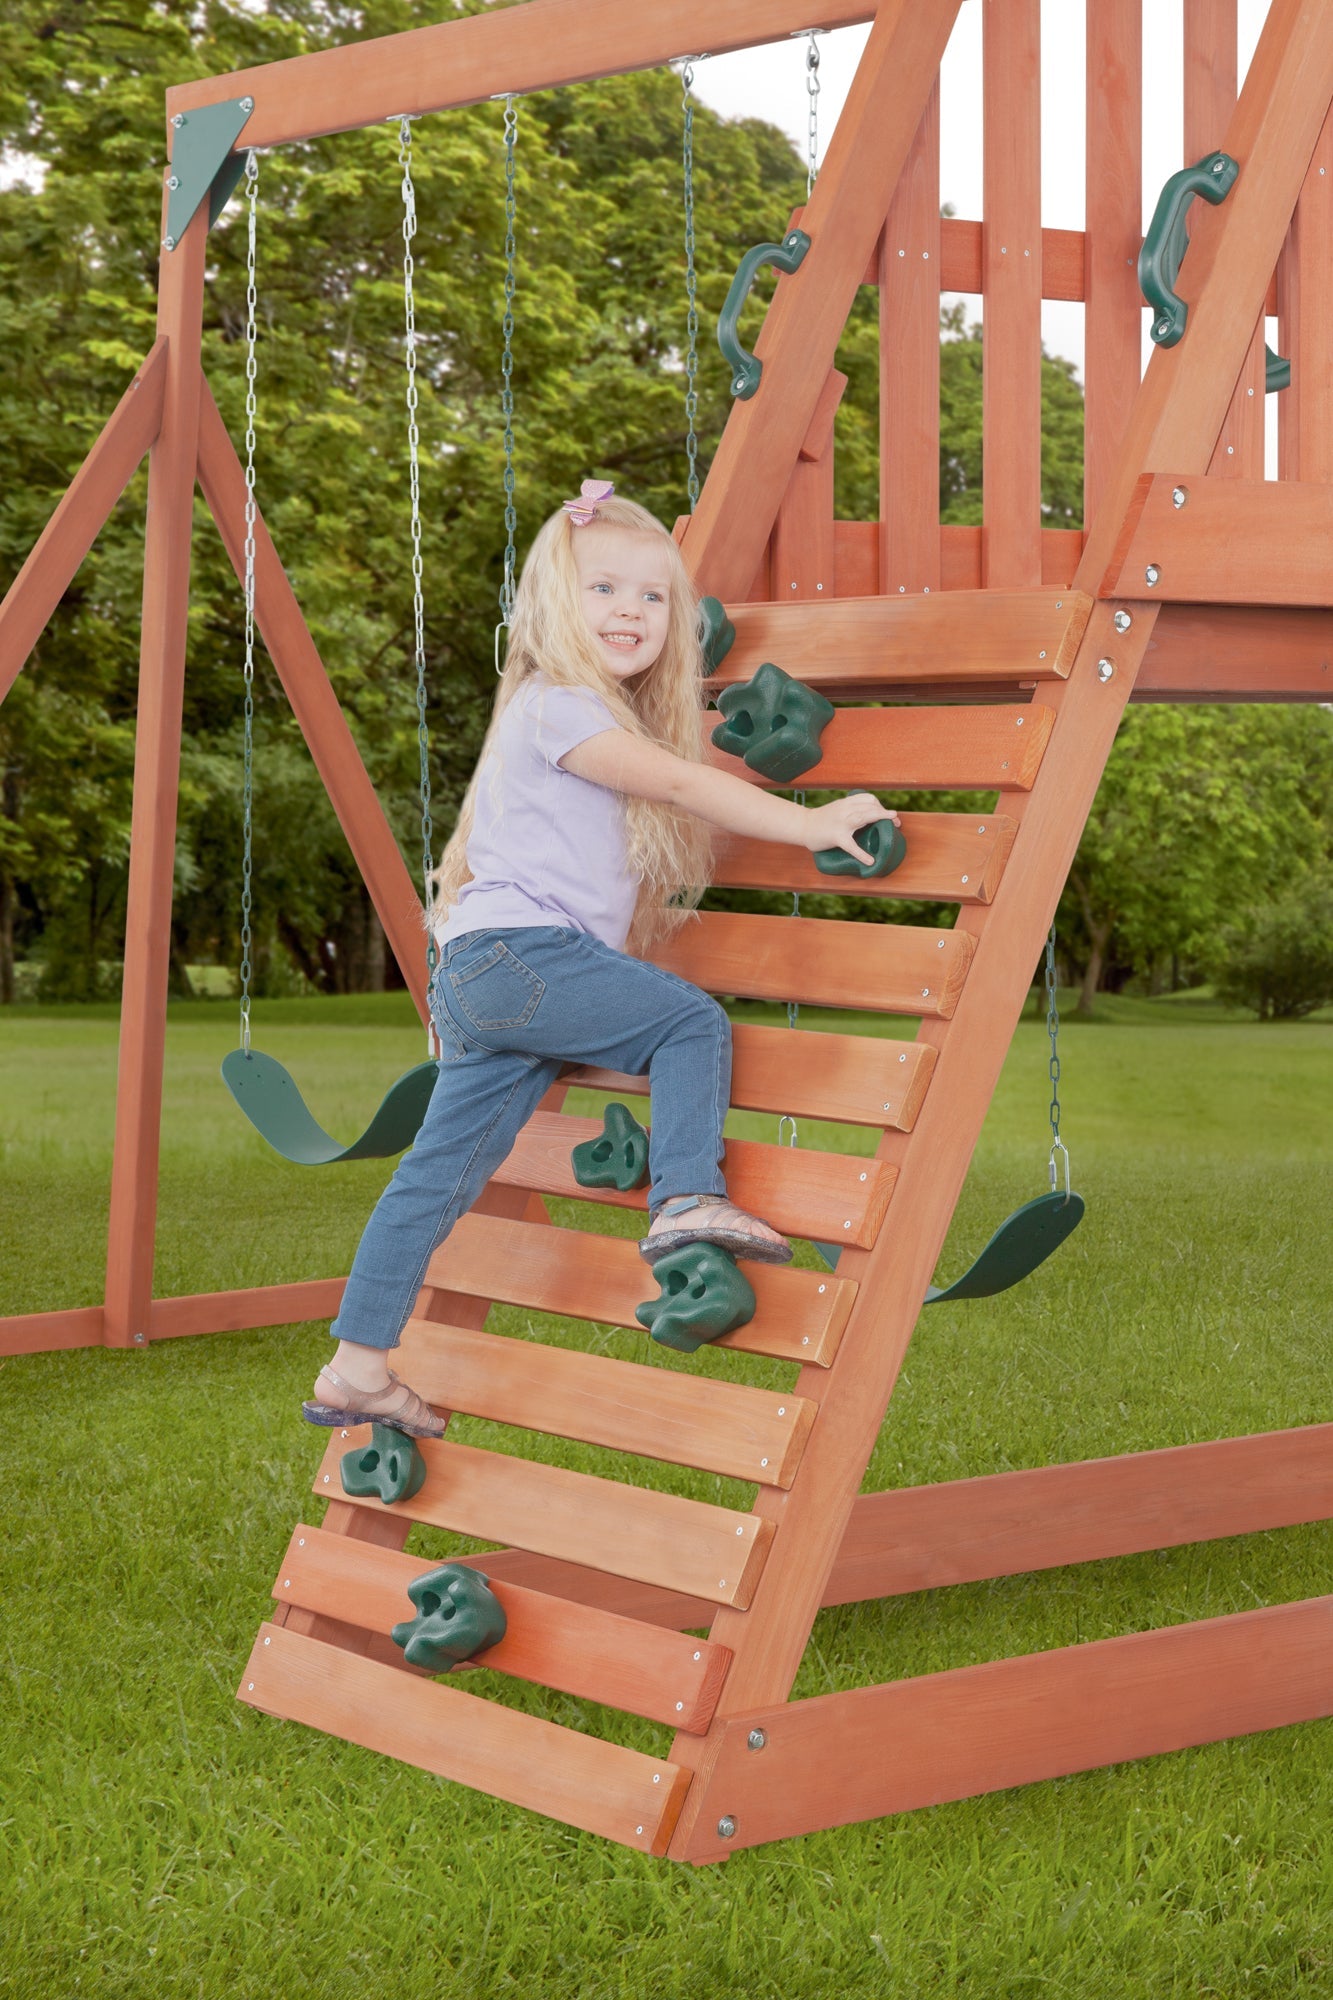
column 230, row 1312
column 799, row 1317
column 687, row 1545
column 1204, row 652
column 529, row 1762
column 951, row 858
column 575, row 1648
column 83, row 507
column 1114, row 178
column 723, row 1427
column 890, row 968
column 51, row 1332
column 912, row 1743
column 992, row 635
column 801, row 550
column 1305, row 324
column 1234, row 541
column 1011, row 296
column 919, row 749
column 909, row 368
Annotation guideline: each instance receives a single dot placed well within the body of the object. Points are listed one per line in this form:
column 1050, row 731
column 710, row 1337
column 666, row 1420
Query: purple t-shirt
column 546, row 847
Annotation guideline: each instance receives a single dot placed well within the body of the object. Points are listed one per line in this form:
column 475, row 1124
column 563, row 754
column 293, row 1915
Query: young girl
column 584, row 831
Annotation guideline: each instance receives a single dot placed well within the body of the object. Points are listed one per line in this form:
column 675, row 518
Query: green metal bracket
column 202, row 162
column 786, row 256
column 1164, row 246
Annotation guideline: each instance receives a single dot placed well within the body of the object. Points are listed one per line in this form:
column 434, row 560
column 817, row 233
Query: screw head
column 1152, row 573
column 1219, row 166
column 172, row 182
column 1162, row 328
column 178, row 120
column 756, row 1739
column 247, row 104
column 1122, row 621
column 1105, row 669
column 170, row 242
column 726, row 1827
column 1179, row 495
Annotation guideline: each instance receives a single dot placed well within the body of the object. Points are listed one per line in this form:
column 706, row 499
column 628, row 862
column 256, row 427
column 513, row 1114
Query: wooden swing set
column 1011, row 652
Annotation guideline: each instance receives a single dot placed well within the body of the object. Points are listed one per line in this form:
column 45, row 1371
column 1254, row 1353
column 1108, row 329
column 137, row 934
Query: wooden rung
column 800, row 1315
column 953, row 635
column 571, row 1647
column 920, row 749
column 718, row 1426
column 829, row 1197
column 581, row 1780
column 951, row 858
column 889, row 968
column 706, row 1551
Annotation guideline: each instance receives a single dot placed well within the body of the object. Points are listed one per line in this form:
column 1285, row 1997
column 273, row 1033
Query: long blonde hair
column 669, row 852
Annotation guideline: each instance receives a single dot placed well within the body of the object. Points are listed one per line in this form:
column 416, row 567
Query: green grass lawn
column 158, row 1839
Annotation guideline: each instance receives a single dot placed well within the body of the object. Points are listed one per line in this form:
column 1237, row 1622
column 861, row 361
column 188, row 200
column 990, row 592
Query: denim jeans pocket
column 495, row 989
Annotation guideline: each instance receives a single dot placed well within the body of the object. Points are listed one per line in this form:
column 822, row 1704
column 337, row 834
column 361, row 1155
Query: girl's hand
column 836, row 824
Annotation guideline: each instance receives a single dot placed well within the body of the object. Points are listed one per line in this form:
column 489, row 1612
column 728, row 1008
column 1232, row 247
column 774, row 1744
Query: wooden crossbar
column 1219, row 540
column 951, row 858
column 890, row 968
column 953, row 635
column 922, row 749
column 1202, row 652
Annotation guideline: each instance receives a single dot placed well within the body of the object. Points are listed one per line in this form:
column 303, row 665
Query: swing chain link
column 1053, row 1030
column 409, row 194
column 691, row 295
column 794, row 1006
column 507, row 584
column 248, row 669
column 812, row 87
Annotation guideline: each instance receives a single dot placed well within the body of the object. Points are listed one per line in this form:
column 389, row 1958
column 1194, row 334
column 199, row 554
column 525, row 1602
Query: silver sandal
column 412, row 1414
column 738, row 1241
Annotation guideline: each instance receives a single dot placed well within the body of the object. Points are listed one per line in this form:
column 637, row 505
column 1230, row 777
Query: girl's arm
column 626, row 763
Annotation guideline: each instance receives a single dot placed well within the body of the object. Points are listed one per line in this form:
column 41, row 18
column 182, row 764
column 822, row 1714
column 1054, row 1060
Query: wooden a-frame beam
column 539, row 45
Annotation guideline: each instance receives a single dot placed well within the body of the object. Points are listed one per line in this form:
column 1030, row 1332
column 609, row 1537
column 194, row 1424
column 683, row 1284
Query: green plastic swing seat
column 1023, row 1241
column 270, row 1099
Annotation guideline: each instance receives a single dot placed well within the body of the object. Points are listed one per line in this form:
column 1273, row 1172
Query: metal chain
column 691, row 295
column 794, row 1006
column 1053, row 1030
column 418, row 570
column 248, row 669
column 507, row 585
column 812, row 118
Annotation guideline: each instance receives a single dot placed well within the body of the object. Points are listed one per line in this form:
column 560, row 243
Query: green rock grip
column 884, row 839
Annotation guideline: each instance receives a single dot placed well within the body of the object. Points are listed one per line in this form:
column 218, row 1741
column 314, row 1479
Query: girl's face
column 625, row 590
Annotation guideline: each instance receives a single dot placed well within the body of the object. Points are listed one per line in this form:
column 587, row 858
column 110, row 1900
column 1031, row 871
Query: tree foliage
column 1278, row 959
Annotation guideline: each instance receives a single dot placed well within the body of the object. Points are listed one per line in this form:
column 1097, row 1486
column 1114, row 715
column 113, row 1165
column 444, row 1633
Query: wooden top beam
column 537, row 46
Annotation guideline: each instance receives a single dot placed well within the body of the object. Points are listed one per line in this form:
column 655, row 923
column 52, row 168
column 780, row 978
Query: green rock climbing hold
column 390, row 1466
column 774, row 723
column 883, row 838
column 704, row 1295
column 619, row 1159
column 717, row 634
column 457, row 1615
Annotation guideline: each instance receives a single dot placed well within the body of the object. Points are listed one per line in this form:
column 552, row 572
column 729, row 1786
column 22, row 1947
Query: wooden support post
column 77, row 521
column 1114, row 316
column 801, row 557
column 166, row 596
column 1011, row 280
column 1305, row 324
column 909, row 369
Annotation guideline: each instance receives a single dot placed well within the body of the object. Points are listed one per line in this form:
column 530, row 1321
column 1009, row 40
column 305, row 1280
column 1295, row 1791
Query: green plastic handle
column 786, row 256
column 1164, row 246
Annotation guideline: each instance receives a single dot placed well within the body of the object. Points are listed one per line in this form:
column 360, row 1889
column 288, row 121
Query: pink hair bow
column 584, row 509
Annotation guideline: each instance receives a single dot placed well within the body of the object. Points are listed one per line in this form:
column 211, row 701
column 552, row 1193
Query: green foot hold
column 717, row 634
column 619, row 1159
column 883, row 838
column 704, row 1295
column 774, row 723
column 457, row 1615
column 390, row 1467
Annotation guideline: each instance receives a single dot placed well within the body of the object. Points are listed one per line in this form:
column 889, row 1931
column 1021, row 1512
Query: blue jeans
column 512, row 1007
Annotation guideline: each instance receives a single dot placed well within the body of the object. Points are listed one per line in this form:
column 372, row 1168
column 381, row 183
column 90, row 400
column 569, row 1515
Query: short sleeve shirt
column 546, row 847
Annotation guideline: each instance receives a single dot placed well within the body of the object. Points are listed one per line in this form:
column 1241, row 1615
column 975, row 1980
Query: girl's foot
column 713, row 1219
column 337, row 1402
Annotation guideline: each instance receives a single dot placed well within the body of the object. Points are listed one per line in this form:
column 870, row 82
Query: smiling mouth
column 626, row 641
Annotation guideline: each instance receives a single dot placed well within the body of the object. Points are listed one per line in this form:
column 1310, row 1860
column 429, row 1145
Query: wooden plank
column 890, row 968
column 797, row 345
column 951, row 858
column 799, row 1317
column 1202, row 652
column 520, row 1758
column 316, row 707
column 1305, row 324
column 711, row 1552
column 724, row 1427
column 1114, row 177
column 801, row 554
column 856, row 558
column 961, row 557
column 552, row 42
column 825, row 1196
column 974, row 635
column 1011, row 291
column 163, row 638
column 51, row 1332
column 909, row 368
column 229, row 1312
column 83, row 507
column 574, row 1648
column 855, row 1079
column 921, row 749
column 926, row 1537
column 1231, row 541
column 911, row 1743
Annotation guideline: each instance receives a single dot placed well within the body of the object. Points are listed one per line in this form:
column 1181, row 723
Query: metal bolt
column 657, row 1777
column 726, row 1827
column 1105, row 669
column 286, row 1583
column 1151, row 574
column 326, row 1478
column 1019, row 722
column 1042, row 654
column 638, row 1829
column 805, row 1338
column 782, row 1407
column 249, row 1687
column 266, row 1642
column 722, row 1583
column 1219, row 166
column 939, row 942
column 172, row 182
column 740, row 1531
column 902, row 1058
column 886, row 1106
column 140, row 1340
column 863, row 1177
column 170, row 242
column 178, row 120
column 247, row 104
column 1122, row 621
column 846, row 1225
column 819, row 586
column 925, row 993
column 301, row 1543
column 698, row 1656
column 824, row 1288
column 756, row 1739
column 981, row 829
column 1162, row 328
column 793, row 586
column 1179, row 495
column 965, row 881
column 679, row 1707
column 763, row 1462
